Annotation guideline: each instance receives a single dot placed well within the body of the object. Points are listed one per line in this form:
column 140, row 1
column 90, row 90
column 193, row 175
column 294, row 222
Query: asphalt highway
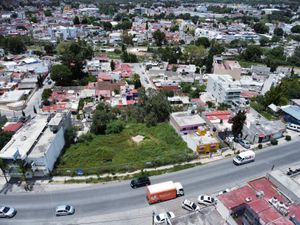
column 116, row 197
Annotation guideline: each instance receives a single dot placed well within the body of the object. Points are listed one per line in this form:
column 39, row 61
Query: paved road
column 119, row 197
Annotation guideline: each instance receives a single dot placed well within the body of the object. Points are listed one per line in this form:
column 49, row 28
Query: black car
column 140, row 182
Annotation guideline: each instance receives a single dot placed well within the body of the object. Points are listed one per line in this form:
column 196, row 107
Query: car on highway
column 163, row 218
column 64, row 210
column 7, row 212
column 244, row 143
column 190, row 206
column 206, row 200
column 140, row 182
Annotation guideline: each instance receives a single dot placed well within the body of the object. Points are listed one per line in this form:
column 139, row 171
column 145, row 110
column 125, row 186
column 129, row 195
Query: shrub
column 259, row 146
column 274, row 142
column 288, row 138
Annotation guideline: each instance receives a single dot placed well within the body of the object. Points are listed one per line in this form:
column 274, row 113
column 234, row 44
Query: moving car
column 164, row 191
column 64, row 210
column 163, row 217
column 190, row 206
column 7, row 212
column 244, row 157
column 245, row 143
column 206, row 200
column 140, row 182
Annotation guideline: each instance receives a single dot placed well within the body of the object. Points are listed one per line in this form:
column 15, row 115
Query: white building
column 38, row 144
column 223, row 88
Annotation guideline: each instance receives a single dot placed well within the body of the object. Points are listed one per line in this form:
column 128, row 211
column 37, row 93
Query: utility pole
column 153, row 214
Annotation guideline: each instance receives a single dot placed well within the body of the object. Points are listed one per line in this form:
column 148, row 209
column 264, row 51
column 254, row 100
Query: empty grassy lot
column 119, row 153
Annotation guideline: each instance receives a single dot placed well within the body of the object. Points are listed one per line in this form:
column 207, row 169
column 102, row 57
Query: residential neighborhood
column 198, row 101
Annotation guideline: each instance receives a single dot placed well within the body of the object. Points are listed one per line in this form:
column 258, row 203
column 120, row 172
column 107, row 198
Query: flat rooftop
column 22, row 141
column 187, row 119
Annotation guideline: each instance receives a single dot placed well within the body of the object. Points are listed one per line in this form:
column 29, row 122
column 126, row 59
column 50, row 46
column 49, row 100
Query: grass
column 113, row 55
column 247, row 64
column 150, row 173
column 118, row 153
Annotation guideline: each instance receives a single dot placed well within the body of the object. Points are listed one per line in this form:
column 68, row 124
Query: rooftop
column 187, row 119
column 22, row 141
column 292, row 110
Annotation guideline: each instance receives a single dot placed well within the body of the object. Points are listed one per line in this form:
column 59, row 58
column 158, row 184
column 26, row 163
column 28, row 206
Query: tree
column 107, row 26
column 40, row 80
column 129, row 58
column 278, row 32
column 238, row 123
column 112, row 65
column 61, row 74
column 264, row 41
column 159, row 37
column 261, row 28
column 252, row 53
column 74, row 56
column 203, row 41
column 151, row 119
column 46, row 93
column 84, row 20
column 127, row 38
column 296, row 29
column 158, row 104
column 2, row 168
column 195, row 54
column 115, row 127
column 14, row 45
column 49, row 48
column 76, row 20
column 136, row 81
column 47, row 13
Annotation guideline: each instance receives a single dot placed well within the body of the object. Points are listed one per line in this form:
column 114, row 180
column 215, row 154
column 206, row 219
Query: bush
column 288, row 138
column 274, row 142
column 259, row 146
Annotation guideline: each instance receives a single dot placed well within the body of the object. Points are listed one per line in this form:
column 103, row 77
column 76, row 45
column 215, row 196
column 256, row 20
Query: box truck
column 164, row 191
column 244, row 157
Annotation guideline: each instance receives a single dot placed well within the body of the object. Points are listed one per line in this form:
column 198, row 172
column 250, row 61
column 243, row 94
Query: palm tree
column 2, row 168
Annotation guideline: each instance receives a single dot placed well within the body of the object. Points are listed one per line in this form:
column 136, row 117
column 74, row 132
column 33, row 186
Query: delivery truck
column 164, row 191
column 244, row 157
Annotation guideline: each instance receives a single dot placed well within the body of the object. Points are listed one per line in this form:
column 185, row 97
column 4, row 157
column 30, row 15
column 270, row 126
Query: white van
column 294, row 127
column 244, row 157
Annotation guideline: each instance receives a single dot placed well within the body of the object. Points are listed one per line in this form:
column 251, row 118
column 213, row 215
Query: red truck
column 164, row 191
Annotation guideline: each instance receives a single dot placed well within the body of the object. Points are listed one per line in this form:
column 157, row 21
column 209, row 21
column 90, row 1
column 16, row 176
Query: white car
column 224, row 191
column 7, row 212
column 163, row 217
column 206, row 200
column 190, row 206
column 64, row 210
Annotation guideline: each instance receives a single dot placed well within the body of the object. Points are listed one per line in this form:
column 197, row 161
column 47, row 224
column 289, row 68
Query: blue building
column 291, row 114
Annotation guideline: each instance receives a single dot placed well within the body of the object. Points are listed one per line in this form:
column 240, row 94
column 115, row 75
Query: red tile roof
column 13, row 127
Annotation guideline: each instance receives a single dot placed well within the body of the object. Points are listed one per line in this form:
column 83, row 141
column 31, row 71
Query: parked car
column 64, row 210
column 140, row 182
column 293, row 127
column 244, row 143
column 206, row 200
column 7, row 212
column 190, row 206
column 163, row 217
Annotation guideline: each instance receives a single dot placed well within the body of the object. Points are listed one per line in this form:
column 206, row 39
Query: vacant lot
column 119, row 153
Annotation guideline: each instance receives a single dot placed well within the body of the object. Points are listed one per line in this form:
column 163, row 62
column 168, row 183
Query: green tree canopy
column 260, row 28
column 159, row 37
column 62, row 75
column 203, row 41
column 252, row 53
column 296, row 29
column 238, row 123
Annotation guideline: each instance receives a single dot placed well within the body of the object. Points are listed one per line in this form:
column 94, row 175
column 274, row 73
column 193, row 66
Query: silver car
column 7, row 212
column 64, row 210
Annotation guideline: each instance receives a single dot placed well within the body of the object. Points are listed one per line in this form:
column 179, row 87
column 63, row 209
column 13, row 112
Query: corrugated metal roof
column 292, row 110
